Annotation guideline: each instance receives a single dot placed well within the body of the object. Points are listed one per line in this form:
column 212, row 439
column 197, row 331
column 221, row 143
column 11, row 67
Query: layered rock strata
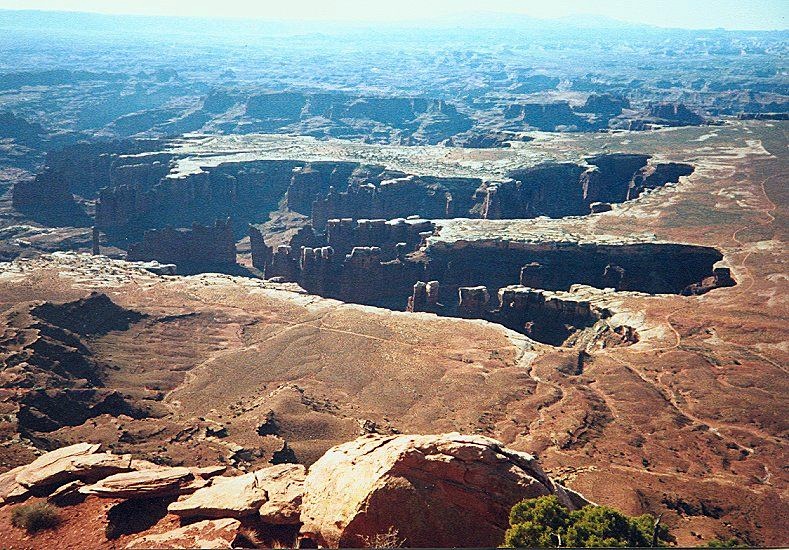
column 401, row 264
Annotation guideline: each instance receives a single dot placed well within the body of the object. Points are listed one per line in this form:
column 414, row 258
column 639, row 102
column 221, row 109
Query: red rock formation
column 430, row 491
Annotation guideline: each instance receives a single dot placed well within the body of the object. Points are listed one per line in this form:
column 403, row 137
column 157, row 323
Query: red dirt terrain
column 689, row 423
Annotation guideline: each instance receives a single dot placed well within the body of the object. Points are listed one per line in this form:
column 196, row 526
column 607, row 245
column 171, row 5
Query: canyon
column 289, row 284
column 560, row 336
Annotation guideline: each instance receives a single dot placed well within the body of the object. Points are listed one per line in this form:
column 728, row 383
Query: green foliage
column 544, row 522
column 536, row 522
column 725, row 543
column 35, row 517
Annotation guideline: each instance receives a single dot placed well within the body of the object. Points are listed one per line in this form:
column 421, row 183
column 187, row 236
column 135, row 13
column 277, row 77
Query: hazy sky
column 731, row 14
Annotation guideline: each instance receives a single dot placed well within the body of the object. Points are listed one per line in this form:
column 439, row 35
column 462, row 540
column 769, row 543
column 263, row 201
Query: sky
column 701, row 14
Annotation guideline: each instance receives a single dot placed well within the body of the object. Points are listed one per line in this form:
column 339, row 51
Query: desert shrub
column 35, row 517
column 544, row 522
column 390, row 539
column 725, row 543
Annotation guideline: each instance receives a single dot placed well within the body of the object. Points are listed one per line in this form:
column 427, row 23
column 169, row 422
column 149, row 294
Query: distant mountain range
column 94, row 22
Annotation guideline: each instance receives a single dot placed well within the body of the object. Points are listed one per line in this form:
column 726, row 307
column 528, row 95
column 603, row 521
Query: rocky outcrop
column 144, row 483
column 599, row 207
column 81, row 169
column 19, row 129
column 218, row 533
column 529, row 84
column 549, row 117
column 198, row 246
column 546, row 316
column 675, row 114
column 721, row 278
column 439, row 490
column 317, row 178
column 80, row 462
column 226, row 497
column 245, row 191
column 273, row 493
column 474, row 139
column 95, row 314
column 472, row 301
column 605, row 105
column 424, row 297
column 358, row 261
column 433, row 490
column 601, row 111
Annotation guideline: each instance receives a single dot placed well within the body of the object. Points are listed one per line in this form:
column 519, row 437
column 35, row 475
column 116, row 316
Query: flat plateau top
column 196, row 151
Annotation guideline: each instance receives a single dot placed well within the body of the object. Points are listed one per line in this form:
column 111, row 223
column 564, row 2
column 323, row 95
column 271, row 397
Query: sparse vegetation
column 389, row 539
column 35, row 517
column 725, row 543
column 544, row 522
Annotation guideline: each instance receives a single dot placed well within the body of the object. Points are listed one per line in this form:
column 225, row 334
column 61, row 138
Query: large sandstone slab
column 80, row 461
column 285, row 489
column 218, row 533
column 142, row 484
column 276, row 492
column 434, row 490
column 226, row 497
column 10, row 488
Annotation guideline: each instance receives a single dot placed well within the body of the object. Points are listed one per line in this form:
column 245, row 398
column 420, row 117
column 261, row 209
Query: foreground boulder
column 432, row 490
column 219, row 533
column 226, row 497
column 275, row 493
column 285, row 490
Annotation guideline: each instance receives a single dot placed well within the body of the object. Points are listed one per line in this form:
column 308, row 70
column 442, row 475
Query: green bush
column 35, row 517
column 544, row 522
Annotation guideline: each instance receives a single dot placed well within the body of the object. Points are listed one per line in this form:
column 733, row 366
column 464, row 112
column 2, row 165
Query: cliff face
column 557, row 266
column 392, row 198
column 567, row 189
column 80, row 169
column 138, row 190
column 523, row 286
column 549, row 117
column 199, row 245
column 356, row 261
column 551, row 189
column 245, row 191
